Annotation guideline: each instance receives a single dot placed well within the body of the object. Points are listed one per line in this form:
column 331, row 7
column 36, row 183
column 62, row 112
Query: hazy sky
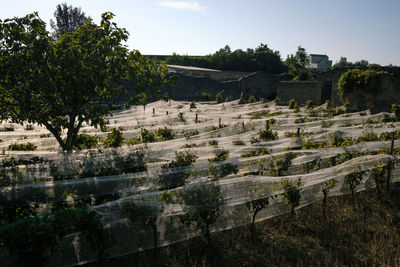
column 357, row 29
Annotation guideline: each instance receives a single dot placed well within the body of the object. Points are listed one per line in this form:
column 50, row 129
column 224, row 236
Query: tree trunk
column 253, row 225
column 155, row 238
column 324, row 205
column 389, row 172
column 352, row 194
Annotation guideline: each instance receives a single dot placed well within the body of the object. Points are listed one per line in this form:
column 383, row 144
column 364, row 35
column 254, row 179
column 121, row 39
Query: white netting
column 128, row 186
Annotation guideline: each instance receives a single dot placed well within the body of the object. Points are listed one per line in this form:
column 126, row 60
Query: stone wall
column 301, row 91
column 378, row 101
column 257, row 84
column 206, row 73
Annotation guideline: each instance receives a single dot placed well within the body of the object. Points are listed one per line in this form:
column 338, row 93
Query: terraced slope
column 235, row 164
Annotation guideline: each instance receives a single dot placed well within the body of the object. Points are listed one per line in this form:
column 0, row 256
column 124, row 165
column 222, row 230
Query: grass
column 365, row 235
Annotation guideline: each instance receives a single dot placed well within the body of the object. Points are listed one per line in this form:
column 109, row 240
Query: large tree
column 67, row 19
column 64, row 83
column 297, row 65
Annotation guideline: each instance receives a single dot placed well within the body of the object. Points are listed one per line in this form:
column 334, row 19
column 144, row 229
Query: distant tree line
column 261, row 58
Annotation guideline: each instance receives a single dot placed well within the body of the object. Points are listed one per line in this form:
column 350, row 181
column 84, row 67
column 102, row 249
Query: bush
column 241, row 100
column 221, row 155
column 356, row 80
column 213, row 142
column 85, row 141
column 165, row 134
column 22, row 147
column 251, row 99
column 238, row 143
column 192, row 105
column 178, row 178
column 309, row 104
column 259, row 115
column 291, row 103
column 114, row 139
column 300, row 120
column 190, row 134
column 134, row 141
column 147, row 136
column 396, row 111
column 219, row 98
column 206, row 96
column 291, row 192
column 279, row 165
column 268, row 135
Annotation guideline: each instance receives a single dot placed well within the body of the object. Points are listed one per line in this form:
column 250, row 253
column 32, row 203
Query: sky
column 356, row 29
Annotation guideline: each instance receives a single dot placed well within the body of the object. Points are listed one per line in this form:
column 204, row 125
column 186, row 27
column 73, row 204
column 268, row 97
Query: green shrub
column 279, row 165
column 256, row 152
column 177, row 178
column 114, row 139
column 213, row 142
column 85, row 141
column 251, row 99
column 259, row 115
column 22, row 147
column 300, row 120
column 147, row 136
column 291, row 192
column 45, row 135
column 241, row 100
column 134, row 141
column 356, row 80
column 221, row 155
column 309, row 104
column 219, row 98
column 396, row 111
column 220, row 171
column 366, row 138
column 268, row 135
column 165, row 134
column 292, row 102
column 206, row 96
column 192, row 105
column 238, row 143
column 387, row 136
column 190, row 134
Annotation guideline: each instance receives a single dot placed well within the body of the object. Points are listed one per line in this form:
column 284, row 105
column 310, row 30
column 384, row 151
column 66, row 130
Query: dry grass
column 367, row 234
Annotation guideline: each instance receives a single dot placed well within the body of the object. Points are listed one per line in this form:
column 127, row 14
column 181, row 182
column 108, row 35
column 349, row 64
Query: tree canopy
column 64, row 83
column 343, row 62
column 67, row 19
column 260, row 59
column 297, row 65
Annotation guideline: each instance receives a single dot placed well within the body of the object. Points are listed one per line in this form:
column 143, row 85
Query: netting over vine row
column 146, row 195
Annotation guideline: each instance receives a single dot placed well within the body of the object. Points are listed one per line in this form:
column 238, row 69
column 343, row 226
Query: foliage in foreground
column 366, row 235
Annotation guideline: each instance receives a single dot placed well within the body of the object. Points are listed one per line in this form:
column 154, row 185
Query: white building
column 319, row 62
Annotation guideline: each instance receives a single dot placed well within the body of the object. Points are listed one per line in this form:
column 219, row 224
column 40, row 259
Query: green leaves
column 75, row 79
column 356, row 80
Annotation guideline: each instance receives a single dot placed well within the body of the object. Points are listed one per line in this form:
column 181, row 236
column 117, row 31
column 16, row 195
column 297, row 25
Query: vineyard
column 167, row 172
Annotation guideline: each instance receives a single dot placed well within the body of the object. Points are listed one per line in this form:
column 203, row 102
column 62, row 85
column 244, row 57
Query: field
column 184, row 170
